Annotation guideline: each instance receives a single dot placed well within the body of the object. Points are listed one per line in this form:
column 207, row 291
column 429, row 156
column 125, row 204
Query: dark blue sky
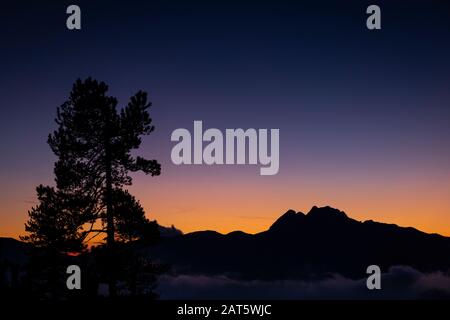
column 348, row 101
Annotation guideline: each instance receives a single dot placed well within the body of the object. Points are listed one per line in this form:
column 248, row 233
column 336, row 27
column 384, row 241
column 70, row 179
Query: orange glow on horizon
column 224, row 203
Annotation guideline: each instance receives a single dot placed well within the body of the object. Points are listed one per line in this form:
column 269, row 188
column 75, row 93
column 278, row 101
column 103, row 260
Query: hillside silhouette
column 322, row 242
column 311, row 246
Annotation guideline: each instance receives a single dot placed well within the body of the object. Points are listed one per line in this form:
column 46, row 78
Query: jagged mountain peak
column 326, row 212
column 288, row 220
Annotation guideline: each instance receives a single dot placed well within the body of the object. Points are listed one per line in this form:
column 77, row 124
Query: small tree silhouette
column 93, row 144
column 52, row 223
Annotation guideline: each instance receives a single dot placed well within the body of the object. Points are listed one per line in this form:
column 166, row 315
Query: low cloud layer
column 400, row 282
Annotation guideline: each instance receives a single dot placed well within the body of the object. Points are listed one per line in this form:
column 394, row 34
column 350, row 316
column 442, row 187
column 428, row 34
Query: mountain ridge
column 291, row 215
column 321, row 242
column 298, row 245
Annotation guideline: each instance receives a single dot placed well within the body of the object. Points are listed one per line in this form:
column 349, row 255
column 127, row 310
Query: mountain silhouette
column 315, row 245
column 322, row 242
column 13, row 251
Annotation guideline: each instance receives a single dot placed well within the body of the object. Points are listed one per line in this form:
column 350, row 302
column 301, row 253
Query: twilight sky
column 364, row 116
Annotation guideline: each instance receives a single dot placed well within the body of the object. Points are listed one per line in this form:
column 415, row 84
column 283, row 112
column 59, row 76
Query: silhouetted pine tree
column 93, row 144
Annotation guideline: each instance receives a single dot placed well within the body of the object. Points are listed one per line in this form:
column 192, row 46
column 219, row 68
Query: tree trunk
column 110, row 229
